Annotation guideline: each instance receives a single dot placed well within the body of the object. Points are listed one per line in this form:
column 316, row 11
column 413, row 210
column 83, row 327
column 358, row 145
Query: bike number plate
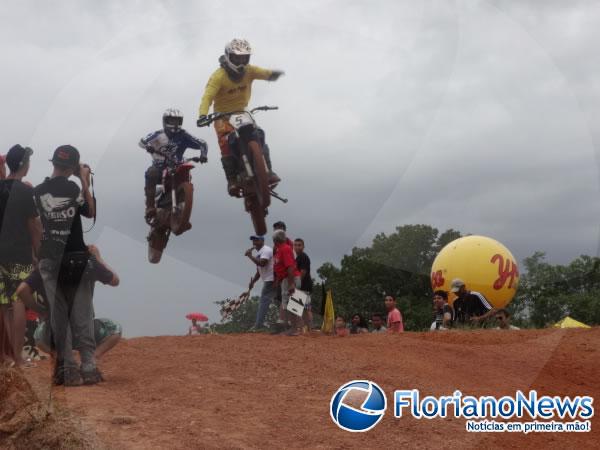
column 241, row 120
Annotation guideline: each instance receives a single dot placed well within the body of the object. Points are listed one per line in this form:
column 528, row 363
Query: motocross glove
column 201, row 120
column 275, row 74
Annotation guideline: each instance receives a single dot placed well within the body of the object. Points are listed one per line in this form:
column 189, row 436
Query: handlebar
column 210, row 118
column 264, row 108
column 170, row 158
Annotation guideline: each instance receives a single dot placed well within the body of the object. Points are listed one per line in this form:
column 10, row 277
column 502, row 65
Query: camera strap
column 94, row 200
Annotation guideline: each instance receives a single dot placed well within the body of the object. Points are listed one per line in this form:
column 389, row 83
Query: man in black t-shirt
column 306, row 283
column 470, row 307
column 63, row 259
column 20, row 231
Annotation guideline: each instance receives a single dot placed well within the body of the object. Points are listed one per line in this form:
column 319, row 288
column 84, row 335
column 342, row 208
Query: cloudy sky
column 483, row 116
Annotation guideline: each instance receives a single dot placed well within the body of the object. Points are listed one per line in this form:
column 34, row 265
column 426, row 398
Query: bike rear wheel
column 180, row 219
column 258, row 214
column 261, row 175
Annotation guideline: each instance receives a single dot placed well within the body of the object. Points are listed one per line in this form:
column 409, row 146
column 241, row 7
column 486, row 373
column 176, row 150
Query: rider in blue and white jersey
column 170, row 140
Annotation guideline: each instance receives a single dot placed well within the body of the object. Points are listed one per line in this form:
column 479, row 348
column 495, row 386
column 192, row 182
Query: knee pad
column 153, row 176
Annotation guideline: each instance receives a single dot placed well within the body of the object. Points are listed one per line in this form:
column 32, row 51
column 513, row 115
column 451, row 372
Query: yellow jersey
column 229, row 95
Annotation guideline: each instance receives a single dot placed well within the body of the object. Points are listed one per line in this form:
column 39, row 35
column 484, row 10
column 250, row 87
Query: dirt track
column 260, row 391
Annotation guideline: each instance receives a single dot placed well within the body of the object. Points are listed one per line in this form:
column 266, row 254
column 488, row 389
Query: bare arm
column 395, row 328
column 115, row 278
column 485, row 316
column 291, row 280
column 447, row 320
column 34, row 227
column 253, row 280
column 25, row 294
column 258, row 262
column 84, row 176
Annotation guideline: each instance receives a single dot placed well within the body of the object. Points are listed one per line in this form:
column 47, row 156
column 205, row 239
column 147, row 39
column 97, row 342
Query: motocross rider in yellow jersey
column 229, row 89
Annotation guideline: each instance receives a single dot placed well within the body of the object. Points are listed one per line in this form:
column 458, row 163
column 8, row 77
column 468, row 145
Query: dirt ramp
column 27, row 423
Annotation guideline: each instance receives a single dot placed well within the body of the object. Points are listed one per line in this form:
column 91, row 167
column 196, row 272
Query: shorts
column 308, row 304
column 11, row 275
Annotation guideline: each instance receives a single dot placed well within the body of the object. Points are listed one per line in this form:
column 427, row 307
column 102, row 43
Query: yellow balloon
column 484, row 264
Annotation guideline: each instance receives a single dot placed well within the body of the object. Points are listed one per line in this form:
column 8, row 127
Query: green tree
column 398, row 264
column 242, row 319
column 547, row 292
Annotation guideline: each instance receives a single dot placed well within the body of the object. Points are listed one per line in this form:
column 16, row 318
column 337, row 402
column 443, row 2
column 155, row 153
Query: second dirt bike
column 174, row 199
column 253, row 175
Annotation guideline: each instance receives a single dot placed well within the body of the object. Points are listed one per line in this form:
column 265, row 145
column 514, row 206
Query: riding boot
column 230, row 167
column 273, row 178
column 150, row 192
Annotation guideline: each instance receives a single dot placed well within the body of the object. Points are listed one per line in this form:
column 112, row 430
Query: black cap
column 66, row 156
column 17, row 156
column 256, row 237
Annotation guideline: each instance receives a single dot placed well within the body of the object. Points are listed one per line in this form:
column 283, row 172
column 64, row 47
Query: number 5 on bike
column 253, row 182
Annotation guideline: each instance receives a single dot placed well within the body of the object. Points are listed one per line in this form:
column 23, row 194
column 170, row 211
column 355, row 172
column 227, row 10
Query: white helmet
column 172, row 120
column 237, row 55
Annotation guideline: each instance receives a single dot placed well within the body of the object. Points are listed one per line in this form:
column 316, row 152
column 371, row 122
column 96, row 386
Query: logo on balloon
column 358, row 419
column 437, row 279
column 505, row 272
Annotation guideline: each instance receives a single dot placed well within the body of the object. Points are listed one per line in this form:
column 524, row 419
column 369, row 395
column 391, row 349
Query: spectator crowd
column 48, row 272
column 285, row 268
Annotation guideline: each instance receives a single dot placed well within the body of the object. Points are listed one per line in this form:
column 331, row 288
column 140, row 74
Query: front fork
column 173, row 198
column 247, row 165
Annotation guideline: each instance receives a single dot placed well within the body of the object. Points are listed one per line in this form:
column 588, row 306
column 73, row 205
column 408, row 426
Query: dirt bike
column 253, row 175
column 174, row 198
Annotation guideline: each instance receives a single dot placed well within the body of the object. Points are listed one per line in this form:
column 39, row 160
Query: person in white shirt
column 263, row 259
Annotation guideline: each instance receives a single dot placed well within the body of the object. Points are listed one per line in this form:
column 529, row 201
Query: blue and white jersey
column 158, row 141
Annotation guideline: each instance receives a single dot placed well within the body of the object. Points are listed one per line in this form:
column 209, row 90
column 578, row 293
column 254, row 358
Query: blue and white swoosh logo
column 356, row 420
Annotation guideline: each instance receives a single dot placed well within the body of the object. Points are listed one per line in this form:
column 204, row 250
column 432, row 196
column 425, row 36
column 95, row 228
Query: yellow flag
column 329, row 315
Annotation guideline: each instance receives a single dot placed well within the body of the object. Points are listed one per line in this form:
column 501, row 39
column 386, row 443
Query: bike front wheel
column 181, row 213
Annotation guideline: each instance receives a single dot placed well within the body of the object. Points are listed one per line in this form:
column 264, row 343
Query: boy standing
column 394, row 317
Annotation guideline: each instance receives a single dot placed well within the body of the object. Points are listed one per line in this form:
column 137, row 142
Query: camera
column 78, row 169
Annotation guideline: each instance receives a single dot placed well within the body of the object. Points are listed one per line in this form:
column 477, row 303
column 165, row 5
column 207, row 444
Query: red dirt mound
column 260, row 391
column 27, row 423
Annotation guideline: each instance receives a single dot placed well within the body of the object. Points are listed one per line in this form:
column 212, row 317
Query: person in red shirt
column 394, row 318
column 286, row 275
